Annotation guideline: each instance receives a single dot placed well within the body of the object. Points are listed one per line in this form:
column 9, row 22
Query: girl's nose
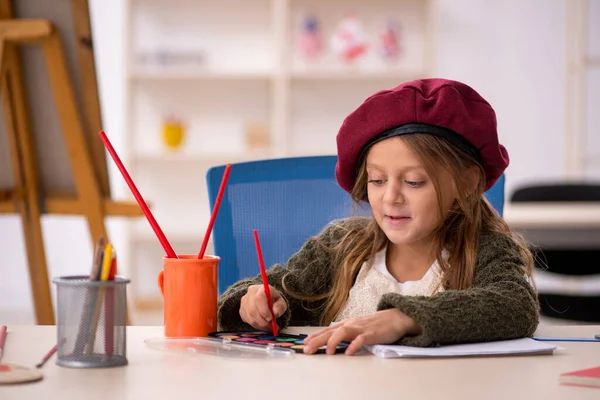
column 393, row 194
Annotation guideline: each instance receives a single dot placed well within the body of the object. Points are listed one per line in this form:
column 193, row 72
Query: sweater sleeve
column 500, row 305
column 309, row 271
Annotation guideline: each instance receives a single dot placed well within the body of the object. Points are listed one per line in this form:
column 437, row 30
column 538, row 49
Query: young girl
column 435, row 264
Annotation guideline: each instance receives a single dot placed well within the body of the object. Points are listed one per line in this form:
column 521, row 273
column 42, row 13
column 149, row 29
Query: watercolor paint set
column 282, row 340
column 250, row 345
column 218, row 347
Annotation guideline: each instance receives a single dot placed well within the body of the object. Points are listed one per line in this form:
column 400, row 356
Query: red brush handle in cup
column 157, row 230
column 215, row 210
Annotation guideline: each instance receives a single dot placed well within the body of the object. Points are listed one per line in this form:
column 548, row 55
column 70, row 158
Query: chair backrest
column 287, row 200
column 495, row 195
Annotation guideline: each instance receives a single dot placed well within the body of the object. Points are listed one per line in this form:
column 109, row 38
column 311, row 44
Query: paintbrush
column 89, row 304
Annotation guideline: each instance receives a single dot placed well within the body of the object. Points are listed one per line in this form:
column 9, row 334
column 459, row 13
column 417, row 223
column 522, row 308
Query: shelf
column 336, row 73
column 593, row 61
column 552, row 215
column 349, row 73
column 548, row 282
column 195, row 73
column 188, row 157
column 592, row 159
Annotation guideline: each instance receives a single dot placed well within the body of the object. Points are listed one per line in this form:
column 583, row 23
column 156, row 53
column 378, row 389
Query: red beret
column 441, row 107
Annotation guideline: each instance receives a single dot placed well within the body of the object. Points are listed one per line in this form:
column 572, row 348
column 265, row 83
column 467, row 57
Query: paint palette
column 266, row 339
column 217, row 347
column 10, row 373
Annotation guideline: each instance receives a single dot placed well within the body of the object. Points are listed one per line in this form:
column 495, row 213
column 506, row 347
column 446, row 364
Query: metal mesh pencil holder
column 91, row 322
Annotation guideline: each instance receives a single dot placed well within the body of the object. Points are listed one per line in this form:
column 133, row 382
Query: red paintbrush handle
column 215, row 210
column 2, row 339
column 50, row 353
column 159, row 233
column 265, row 280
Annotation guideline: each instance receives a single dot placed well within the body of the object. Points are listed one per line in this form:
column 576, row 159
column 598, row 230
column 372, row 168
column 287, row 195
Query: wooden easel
column 91, row 198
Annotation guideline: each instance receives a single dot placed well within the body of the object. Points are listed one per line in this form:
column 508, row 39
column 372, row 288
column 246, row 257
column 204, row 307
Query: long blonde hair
column 458, row 233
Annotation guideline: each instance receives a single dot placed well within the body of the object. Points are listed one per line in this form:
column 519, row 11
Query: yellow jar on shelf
column 173, row 133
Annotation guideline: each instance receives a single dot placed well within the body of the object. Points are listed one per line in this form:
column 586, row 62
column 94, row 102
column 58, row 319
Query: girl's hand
column 382, row 327
column 254, row 307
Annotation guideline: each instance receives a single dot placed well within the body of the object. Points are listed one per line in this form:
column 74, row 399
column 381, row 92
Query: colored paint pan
column 265, row 339
column 281, row 339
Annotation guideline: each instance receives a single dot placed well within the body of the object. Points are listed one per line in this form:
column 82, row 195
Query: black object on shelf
column 561, row 192
column 568, row 262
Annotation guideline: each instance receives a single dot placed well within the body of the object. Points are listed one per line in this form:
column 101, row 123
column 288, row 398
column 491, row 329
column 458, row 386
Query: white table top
column 552, row 215
column 153, row 374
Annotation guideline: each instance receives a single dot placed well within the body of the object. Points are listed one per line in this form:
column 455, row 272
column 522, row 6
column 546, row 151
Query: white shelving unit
column 582, row 89
column 250, row 73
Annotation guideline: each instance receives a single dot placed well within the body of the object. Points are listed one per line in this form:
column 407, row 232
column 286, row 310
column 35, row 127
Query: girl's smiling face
column 402, row 195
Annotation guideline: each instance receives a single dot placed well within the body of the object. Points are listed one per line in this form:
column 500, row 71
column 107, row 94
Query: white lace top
column 373, row 281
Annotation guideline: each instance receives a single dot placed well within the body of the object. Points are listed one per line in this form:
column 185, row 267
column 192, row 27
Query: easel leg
column 91, row 105
column 88, row 188
column 85, row 180
column 26, row 178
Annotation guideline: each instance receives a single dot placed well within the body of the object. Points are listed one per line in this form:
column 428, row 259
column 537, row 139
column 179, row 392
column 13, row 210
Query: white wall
column 511, row 51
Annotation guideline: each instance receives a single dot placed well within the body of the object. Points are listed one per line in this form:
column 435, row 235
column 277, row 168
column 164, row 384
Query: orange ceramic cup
column 189, row 289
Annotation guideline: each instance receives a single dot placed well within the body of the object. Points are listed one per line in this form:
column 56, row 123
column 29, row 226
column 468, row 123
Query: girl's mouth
column 396, row 219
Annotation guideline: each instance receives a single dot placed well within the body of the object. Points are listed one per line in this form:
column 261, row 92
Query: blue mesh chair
column 287, row 200
column 495, row 195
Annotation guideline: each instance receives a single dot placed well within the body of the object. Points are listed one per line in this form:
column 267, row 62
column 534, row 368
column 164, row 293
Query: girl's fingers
column 253, row 318
column 324, row 331
column 279, row 307
column 337, row 337
column 324, row 337
column 355, row 345
column 313, row 345
column 262, row 306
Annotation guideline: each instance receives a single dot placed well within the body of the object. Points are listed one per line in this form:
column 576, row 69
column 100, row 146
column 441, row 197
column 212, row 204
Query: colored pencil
column 109, row 317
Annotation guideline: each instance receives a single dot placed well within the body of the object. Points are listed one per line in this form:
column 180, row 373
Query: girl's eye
column 376, row 181
column 415, row 184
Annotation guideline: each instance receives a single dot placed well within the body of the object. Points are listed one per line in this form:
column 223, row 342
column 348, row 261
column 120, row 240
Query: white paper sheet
column 503, row 347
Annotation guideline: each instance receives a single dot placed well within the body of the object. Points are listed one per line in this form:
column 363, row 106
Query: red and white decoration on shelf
column 348, row 40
